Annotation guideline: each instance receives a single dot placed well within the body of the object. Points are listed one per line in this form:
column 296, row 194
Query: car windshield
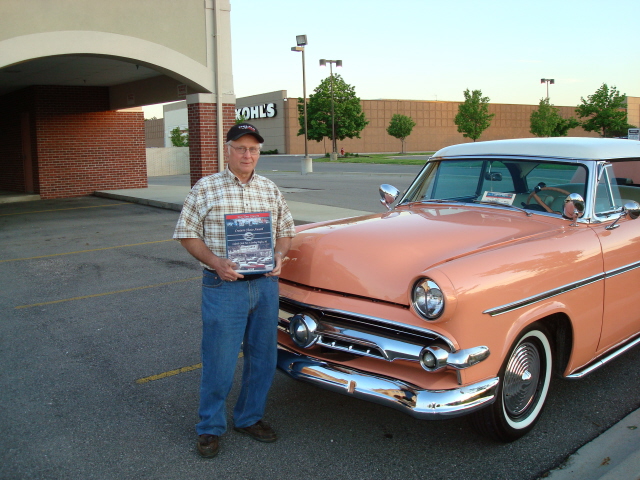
column 534, row 185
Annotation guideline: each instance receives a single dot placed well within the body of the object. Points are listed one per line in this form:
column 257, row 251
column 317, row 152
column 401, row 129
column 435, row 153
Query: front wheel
column 523, row 388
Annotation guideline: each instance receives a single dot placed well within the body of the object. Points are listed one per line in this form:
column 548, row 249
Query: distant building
column 276, row 117
column 154, row 133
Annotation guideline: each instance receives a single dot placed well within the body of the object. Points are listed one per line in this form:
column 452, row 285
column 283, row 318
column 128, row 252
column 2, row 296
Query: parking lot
column 99, row 352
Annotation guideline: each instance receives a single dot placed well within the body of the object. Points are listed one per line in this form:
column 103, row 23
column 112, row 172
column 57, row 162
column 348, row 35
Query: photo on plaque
column 249, row 241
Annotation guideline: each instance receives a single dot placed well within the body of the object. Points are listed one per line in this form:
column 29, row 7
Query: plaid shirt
column 214, row 196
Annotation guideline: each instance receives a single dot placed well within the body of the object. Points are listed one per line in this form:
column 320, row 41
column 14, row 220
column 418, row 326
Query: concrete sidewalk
column 614, row 455
column 172, row 198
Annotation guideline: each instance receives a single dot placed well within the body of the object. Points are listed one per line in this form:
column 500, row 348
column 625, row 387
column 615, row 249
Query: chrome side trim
column 390, row 392
column 543, row 296
column 583, row 372
column 560, row 290
column 625, row 269
column 366, row 318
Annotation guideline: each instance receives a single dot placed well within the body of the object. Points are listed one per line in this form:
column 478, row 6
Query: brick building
column 73, row 78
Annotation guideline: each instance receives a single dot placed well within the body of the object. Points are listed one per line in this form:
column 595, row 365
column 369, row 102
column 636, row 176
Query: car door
column 620, row 252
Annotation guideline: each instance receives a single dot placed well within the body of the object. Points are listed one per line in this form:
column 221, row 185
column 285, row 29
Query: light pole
column 547, row 81
column 307, row 164
column 338, row 63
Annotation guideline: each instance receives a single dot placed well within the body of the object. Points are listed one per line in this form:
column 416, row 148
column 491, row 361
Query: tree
column 547, row 122
column 605, row 111
column 473, row 116
column 180, row 138
column 400, row 127
column 349, row 118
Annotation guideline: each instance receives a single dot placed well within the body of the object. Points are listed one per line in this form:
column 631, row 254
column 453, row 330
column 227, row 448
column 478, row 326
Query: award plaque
column 249, row 241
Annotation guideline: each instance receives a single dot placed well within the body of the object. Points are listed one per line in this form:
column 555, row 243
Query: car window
column 557, row 174
column 502, row 180
column 618, row 184
column 497, row 177
column 455, row 180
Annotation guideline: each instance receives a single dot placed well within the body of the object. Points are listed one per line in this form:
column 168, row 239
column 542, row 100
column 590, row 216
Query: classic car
column 504, row 263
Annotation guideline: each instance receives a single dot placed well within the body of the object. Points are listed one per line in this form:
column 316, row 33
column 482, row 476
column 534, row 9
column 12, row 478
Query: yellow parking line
column 70, row 208
column 85, row 251
column 107, row 293
column 170, row 373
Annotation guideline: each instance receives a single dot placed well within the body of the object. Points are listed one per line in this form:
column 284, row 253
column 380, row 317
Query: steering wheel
column 540, row 188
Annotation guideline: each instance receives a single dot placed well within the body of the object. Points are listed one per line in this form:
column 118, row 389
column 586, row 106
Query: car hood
column 380, row 256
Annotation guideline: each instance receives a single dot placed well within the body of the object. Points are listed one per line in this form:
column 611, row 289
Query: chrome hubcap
column 521, row 379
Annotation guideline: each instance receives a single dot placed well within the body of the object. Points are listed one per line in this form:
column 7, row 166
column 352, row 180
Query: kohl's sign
column 267, row 110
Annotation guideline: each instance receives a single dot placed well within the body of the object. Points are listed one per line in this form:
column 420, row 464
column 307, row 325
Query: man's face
column 241, row 164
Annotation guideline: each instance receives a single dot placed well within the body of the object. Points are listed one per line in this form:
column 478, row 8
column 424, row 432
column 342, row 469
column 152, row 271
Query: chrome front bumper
column 423, row 404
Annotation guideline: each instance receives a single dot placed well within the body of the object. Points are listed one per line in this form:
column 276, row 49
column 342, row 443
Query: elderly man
column 236, row 309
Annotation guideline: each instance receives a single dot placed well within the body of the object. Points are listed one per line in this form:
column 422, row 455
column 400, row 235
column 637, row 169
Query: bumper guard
column 423, row 404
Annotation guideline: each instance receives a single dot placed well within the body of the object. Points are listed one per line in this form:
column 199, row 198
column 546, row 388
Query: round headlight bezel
column 303, row 330
column 428, row 299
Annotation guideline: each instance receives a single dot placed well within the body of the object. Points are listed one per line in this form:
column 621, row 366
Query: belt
column 247, row 276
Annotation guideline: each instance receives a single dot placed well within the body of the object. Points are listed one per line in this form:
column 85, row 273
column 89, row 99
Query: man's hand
column 276, row 269
column 226, row 269
column 223, row 266
column 283, row 244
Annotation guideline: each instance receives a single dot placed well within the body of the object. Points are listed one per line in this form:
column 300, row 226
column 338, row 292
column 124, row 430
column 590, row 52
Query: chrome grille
column 363, row 335
column 348, row 345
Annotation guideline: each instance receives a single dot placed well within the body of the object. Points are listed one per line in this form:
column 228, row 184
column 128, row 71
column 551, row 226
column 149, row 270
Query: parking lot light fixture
column 338, row 63
column 547, row 81
column 307, row 164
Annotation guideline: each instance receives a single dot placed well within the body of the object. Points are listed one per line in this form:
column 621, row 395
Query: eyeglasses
column 243, row 150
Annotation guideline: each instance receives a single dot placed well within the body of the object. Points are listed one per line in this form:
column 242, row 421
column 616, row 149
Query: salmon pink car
column 503, row 263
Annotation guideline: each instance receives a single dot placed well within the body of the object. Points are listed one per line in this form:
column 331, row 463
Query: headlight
column 427, row 299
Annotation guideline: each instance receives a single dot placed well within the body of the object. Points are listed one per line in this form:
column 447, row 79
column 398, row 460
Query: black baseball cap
column 241, row 129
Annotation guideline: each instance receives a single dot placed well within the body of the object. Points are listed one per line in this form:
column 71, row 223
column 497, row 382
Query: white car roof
column 582, row 148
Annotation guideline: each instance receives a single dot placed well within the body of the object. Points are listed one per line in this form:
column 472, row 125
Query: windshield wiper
column 442, row 200
column 526, row 212
column 436, row 200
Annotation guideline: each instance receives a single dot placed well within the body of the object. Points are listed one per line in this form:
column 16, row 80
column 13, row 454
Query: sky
column 434, row 50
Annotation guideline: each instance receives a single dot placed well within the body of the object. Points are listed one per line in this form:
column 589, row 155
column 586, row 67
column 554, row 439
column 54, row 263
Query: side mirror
column 388, row 195
column 631, row 210
column 573, row 208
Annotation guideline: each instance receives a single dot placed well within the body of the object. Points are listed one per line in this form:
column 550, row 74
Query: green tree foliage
column 473, row 116
column 400, row 127
column 605, row 112
column 180, row 138
column 349, row 117
column 241, row 119
column 547, row 122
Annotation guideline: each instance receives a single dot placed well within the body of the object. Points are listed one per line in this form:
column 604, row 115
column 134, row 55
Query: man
column 236, row 309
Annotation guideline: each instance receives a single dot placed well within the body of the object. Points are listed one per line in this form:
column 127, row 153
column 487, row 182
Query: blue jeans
column 235, row 313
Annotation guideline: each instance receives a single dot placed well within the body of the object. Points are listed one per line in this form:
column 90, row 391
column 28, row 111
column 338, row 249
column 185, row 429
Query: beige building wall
column 435, row 127
column 175, row 39
column 83, row 16
column 167, row 161
column 154, row 133
column 633, row 111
